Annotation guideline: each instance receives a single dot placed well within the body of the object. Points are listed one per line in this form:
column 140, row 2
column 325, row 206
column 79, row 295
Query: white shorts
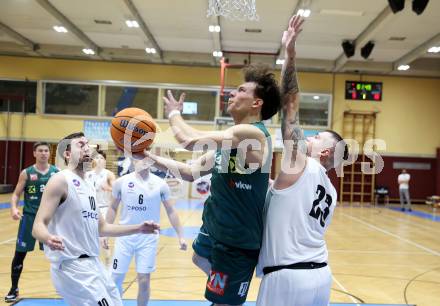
column 305, row 287
column 142, row 246
column 84, row 281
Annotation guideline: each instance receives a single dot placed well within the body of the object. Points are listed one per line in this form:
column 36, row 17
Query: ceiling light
column 279, row 61
column 132, row 23
column 88, row 51
column 403, row 67
column 217, row 53
column 434, row 50
column 150, row 50
column 304, row 12
column 60, row 29
column 214, row 28
column 315, row 97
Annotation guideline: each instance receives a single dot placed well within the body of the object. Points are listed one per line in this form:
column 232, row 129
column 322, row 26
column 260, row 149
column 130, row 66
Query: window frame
column 36, row 93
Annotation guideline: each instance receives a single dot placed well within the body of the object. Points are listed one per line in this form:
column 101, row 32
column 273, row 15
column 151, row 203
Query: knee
column 144, row 281
column 197, row 260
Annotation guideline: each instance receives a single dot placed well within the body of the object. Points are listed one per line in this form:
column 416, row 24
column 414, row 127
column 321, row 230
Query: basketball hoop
column 233, row 9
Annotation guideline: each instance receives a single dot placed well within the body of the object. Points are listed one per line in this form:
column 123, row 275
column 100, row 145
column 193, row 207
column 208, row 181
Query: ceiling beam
column 134, row 11
column 366, row 35
column 33, row 47
column 70, row 26
column 417, row 51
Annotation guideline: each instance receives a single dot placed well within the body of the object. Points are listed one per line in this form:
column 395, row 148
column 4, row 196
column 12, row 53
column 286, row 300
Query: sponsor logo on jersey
column 136, row 208
column 242, row 291
column 130, row 185
column 32, row 189
column 239, row 185
column 217, row 282
column 90, row 214
column 202, row 187
column 76, row 182
column 33, row 177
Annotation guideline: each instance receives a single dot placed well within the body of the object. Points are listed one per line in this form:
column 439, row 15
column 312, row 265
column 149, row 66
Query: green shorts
column 231, row 270
column 202, row 245
column 25, row 241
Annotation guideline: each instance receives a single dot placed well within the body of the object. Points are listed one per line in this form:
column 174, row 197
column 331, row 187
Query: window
column 19, row 94
column 71, row 99
column 314, row 110
column 199, row 105
column 120, row 97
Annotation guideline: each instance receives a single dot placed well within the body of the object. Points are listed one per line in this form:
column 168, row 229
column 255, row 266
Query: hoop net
column 233, row 9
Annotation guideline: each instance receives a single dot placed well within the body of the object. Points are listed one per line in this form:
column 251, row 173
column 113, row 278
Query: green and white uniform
column 33, row 191
column 232, row 229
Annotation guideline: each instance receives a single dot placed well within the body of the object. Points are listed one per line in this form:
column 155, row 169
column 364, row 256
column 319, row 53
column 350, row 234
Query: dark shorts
column 25, row 241
column 231, row 270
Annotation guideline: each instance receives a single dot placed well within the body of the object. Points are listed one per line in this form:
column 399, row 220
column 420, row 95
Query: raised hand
column 172, row 104
column 291, row 34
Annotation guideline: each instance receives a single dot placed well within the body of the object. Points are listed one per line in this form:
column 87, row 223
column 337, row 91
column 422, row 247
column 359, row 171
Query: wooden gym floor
column 377, row 255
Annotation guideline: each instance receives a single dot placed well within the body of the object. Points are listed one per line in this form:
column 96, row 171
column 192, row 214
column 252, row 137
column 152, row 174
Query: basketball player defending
column 299, row 205
column 229, row 241
column 102, row 179
column 140, row 193
column 69, row 225
column 31, row 181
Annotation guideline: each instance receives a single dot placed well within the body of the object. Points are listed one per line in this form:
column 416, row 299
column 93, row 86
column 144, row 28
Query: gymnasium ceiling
column 178, row 30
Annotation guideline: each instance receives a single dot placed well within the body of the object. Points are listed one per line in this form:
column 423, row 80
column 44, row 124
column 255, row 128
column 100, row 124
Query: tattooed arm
column 289, row 88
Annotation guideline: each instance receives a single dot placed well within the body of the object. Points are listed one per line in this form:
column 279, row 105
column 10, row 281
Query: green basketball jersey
column 233, row 213
column 34, row 188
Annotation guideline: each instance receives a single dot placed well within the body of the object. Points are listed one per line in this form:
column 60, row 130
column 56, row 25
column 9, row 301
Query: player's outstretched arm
column 199, row 167
column 194, row 140
column 289, row 83
column 116, row 230
column 19, row 188
column 175, row 222
column 54, row 193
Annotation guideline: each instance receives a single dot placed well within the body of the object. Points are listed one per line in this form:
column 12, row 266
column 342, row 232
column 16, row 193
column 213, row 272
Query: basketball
column 136, row 126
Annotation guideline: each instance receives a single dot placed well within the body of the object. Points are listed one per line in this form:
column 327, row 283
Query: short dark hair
column 40, row 143
column 266, row 89
column 62, row 148
column 100, row 152
column 338, row 138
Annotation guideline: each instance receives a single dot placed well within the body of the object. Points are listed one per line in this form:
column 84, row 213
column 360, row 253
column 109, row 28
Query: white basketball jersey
column 76, row 221
column 140, row 199
column 296, row 219
column 98, row 180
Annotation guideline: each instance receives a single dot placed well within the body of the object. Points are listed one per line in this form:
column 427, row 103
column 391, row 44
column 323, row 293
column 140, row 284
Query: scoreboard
column 369, row 91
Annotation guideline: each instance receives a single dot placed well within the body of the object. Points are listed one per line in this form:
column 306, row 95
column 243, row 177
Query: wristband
column 173, row 113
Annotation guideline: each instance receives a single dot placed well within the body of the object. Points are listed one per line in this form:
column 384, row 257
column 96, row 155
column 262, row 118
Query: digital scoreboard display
column 368, row 91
